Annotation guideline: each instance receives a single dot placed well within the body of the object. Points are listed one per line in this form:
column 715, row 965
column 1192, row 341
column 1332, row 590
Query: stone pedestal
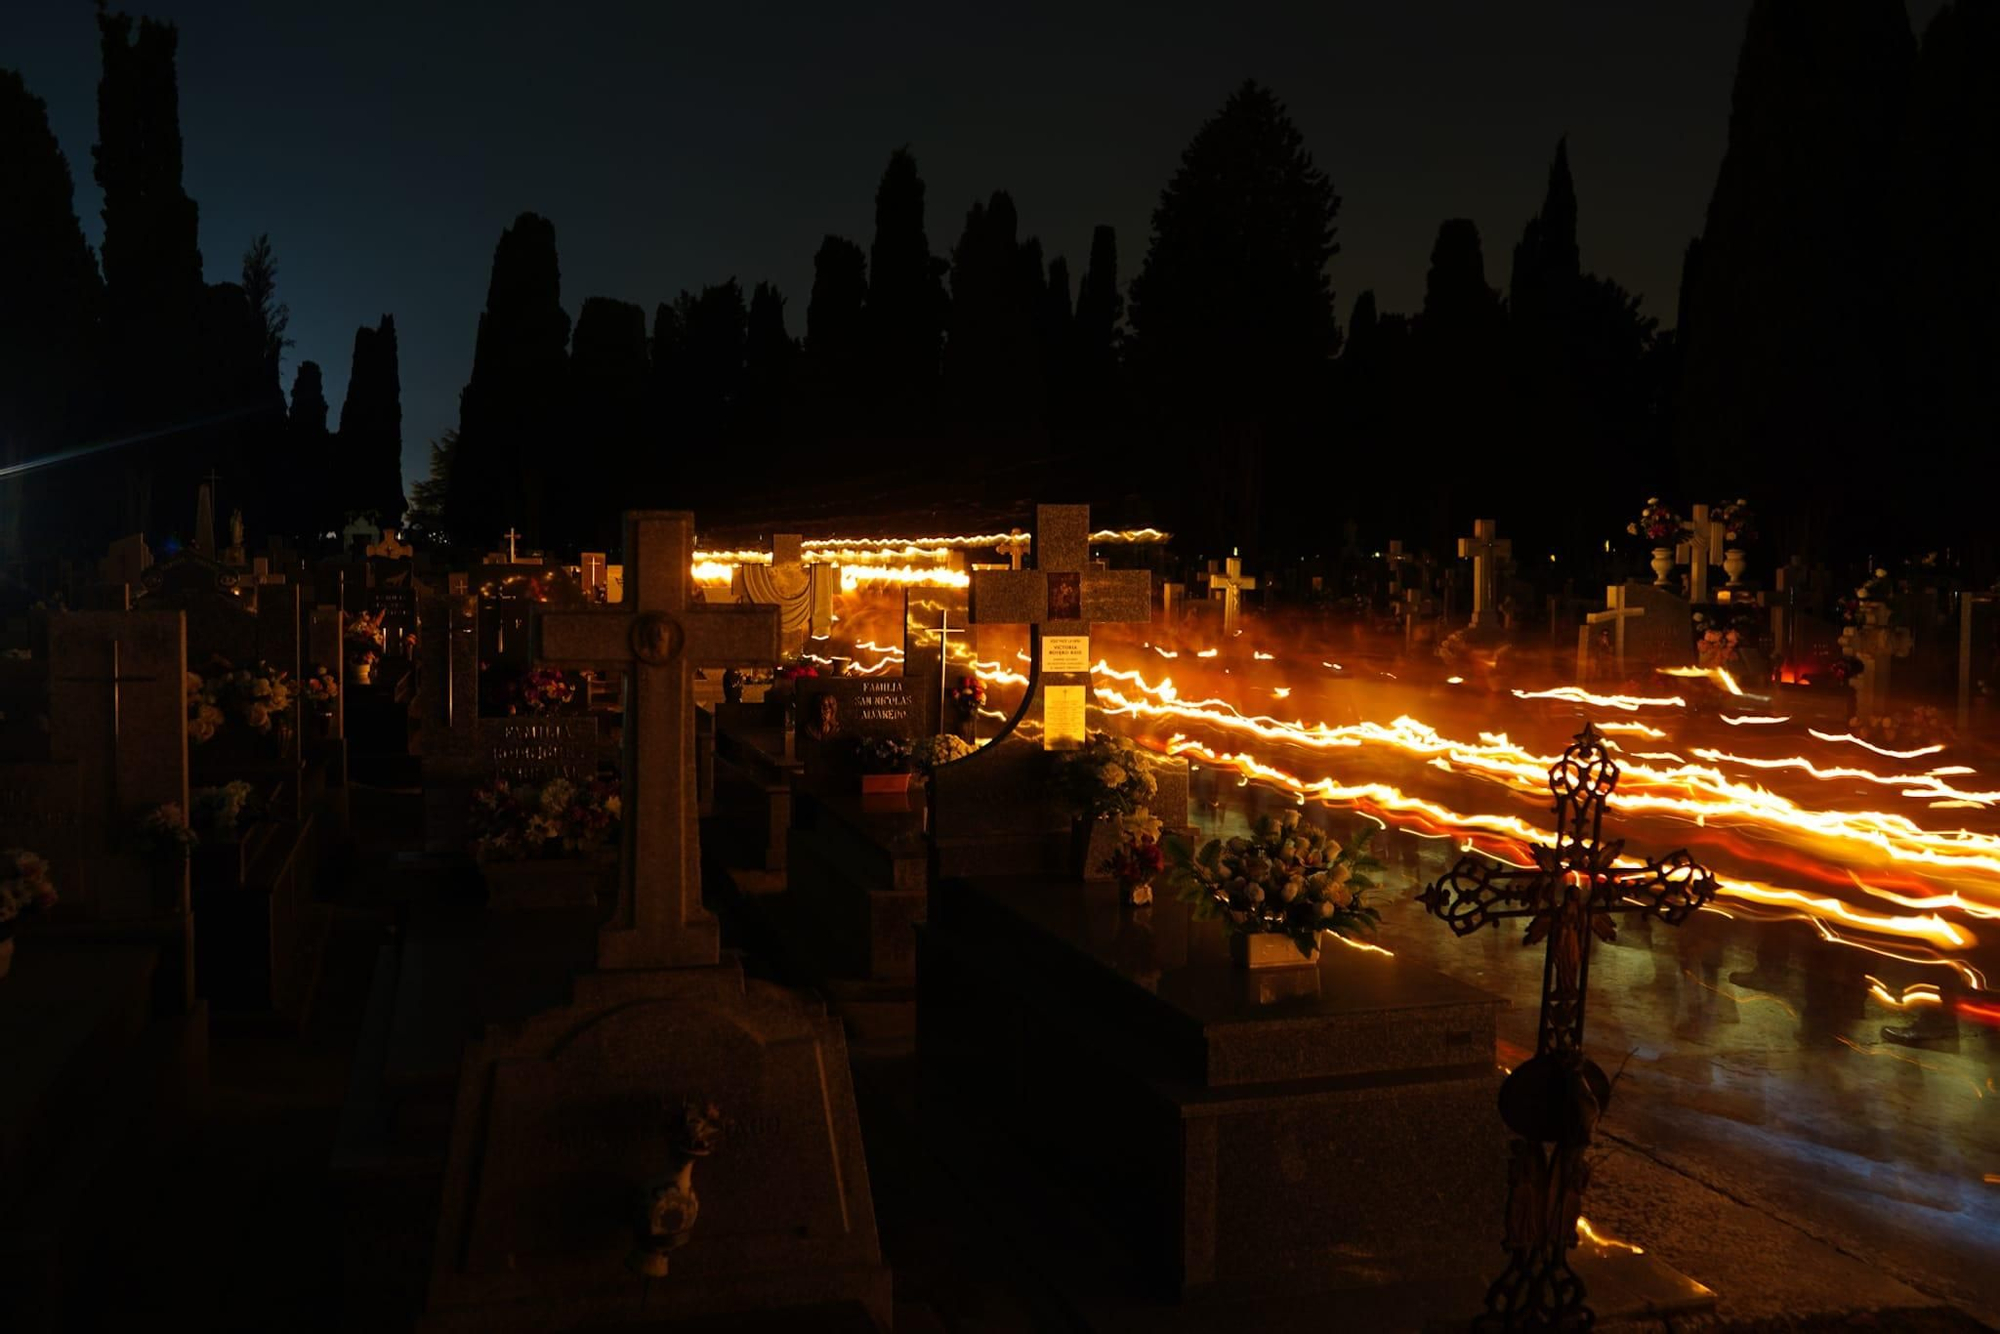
column 859, row 867
column 1245, row 1140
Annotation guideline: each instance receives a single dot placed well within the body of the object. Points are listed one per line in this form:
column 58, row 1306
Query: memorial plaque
column 1065, row 653
column 837, row 712
column 1063, row 717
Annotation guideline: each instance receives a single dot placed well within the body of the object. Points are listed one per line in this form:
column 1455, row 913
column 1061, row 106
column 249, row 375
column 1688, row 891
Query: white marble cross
column 1702, row 549
column 510, row 535
column 657, row 638
column 1615, row 613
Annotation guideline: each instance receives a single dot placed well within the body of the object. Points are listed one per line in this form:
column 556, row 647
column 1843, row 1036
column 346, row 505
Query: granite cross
column 1059, row 600
column 1698, row 552
column 1553, row 1100
column 511, row 535
column 657, row 639
column 1485, row 551
column 1615, row 613
column 1228, row 584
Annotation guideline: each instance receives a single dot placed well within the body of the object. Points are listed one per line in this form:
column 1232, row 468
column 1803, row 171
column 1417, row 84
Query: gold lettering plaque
column 1062, row 717
column 1065, row 653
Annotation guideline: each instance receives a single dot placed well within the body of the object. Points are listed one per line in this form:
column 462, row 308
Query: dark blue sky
column 384, row 145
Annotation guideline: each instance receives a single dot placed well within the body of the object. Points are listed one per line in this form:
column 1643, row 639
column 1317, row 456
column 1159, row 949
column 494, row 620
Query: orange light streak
column 1918, row 753
column 1747, row 721
column 1578, row 695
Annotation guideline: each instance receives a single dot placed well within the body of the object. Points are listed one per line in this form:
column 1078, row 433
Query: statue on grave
column 668, row 1212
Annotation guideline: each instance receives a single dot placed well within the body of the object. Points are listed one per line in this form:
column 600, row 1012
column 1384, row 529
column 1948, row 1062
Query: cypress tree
column 260, row 289
column 907, row 306
column 371, row 427
column 1782, row 339
column 992, row 367
column 306, row 503
column 1099, row 307
column 50, row 298
column 769, row 358
column 1232, row 311
column 510, row 413
column 1459, row 352
column 836, row 336
column 610, row 382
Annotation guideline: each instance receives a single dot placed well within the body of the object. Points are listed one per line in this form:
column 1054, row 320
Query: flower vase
column 362, row 672
column 1733, row 565
column 1269, row 949
column 1092, row 845
column 1663, row 567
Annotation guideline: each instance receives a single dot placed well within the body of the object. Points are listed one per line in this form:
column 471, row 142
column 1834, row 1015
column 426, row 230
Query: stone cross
column 591, row 569
column 1015, row 544
column 1552, row 1100
column 1615, row 614
column 1173, row 602
column 1485, row 550
column 1702, row 549
column 1059, row 600
column 1398, row 560
column 1228, row 585
column 657, row 638
column 512, row 537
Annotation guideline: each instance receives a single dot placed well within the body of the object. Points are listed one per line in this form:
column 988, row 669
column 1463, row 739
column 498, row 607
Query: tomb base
column 562, row 1121
column 1242, row 1147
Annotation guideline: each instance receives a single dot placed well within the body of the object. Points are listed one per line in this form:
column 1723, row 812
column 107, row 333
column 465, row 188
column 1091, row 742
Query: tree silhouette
column 1232, row 312
column 907, row 307
column 836, row 336
column 50, row 298
column 610, row 382
column 260, row 289
column 1099, row 308
column 371, row 427
column 1949, row 294
column 1787, row 310
column 306, row 503
column 1459, row 352
column 992, row 363
column 424, row 519
column 770, row 359
column 510, row 413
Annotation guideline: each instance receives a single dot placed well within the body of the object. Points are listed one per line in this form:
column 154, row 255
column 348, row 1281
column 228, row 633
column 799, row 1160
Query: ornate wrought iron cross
column 1552, row 1102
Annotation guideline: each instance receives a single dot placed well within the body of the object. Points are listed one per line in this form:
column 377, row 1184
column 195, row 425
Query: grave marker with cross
column 1485, row 550
column 1227, row 585
column 512, row 557
column 657, row 637
column 1553, row 1100
column 1615, row 614
column 1702, row 549
column 803, row 594
column 1059, row 600
column 931, row 616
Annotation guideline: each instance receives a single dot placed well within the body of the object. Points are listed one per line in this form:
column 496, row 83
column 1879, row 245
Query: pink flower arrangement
column 1658, row 524
column 559, row 818
column 543, row 690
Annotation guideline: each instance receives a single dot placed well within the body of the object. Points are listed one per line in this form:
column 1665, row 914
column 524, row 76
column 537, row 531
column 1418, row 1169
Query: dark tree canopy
column 260, row 289
column 610, row 382
column 836, row 346
column 510, row 413
column 1232, row 312
column 1782, row 342
column 992, row 364
column 371, row 427
column 906, row 308
column 303, row 503
column 769, row 366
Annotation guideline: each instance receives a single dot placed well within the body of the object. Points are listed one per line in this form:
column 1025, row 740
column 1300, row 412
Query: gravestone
column 1659, row 627
column 563, row 1122
column 934, row 623
column 803, row 594
column 1486, row 550
column 835, row 712
column 390, row 547
column 125, row 561
column 1609, row 627
column 534, row 750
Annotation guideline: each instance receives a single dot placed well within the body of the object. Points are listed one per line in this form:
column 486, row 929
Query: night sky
column 385, row 146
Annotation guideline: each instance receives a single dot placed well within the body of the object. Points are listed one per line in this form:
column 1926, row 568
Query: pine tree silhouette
column 907, row 307
column 770, row 359
column 610, row 372
column 371, row 427
column 836, row 350
column 305, row 503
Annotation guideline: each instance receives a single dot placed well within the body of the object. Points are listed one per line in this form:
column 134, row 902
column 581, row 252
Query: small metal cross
column 1552, row 1102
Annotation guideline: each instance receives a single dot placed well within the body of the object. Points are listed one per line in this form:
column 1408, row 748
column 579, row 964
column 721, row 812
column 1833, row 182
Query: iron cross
column 1553, row 1100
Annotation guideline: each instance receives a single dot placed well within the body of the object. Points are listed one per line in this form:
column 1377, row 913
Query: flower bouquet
column 1286, row 879
column 885, row 764
column 1105, row 780
column 259, row 698
column 25, row 887
column 968, row 696
column 203, row 718
column 217, row 815
column 540, row 690
column 927, row 753
column 1138, row 858
column 162, row 831
column 1739, row 524
column 365, row 633
column 558, row 818
column 1658, row 525
column 319, row 692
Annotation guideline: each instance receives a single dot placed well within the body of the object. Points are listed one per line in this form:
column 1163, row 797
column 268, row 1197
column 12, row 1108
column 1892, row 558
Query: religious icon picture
column 1065, row 597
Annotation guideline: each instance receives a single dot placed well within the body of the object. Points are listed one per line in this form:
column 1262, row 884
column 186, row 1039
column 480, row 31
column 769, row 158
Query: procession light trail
column 1718, row 675
column 1749, row 721
column 1578, row 695
column 1843, row 737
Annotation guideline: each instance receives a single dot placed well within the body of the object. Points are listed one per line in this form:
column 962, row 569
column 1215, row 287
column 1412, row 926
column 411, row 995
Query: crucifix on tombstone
column 512, row 537
column 1702, row 549
column 1485, row 550
column 1227, row 584
column 1059, row 600
column 1615, row 614
column 657, row 638
column 1553, row 1100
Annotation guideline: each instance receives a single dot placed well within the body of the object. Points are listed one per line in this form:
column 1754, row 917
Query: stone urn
column 1269, row 949
column 1733, row 565
column 1663, row 567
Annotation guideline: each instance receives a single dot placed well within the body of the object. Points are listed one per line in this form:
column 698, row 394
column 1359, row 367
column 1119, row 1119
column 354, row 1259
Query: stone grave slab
column 834, row 712
column 1662, row 633
column 1249, row 1136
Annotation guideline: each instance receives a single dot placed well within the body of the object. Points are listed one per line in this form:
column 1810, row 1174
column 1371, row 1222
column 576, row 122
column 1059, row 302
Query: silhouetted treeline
column 1832, row 356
